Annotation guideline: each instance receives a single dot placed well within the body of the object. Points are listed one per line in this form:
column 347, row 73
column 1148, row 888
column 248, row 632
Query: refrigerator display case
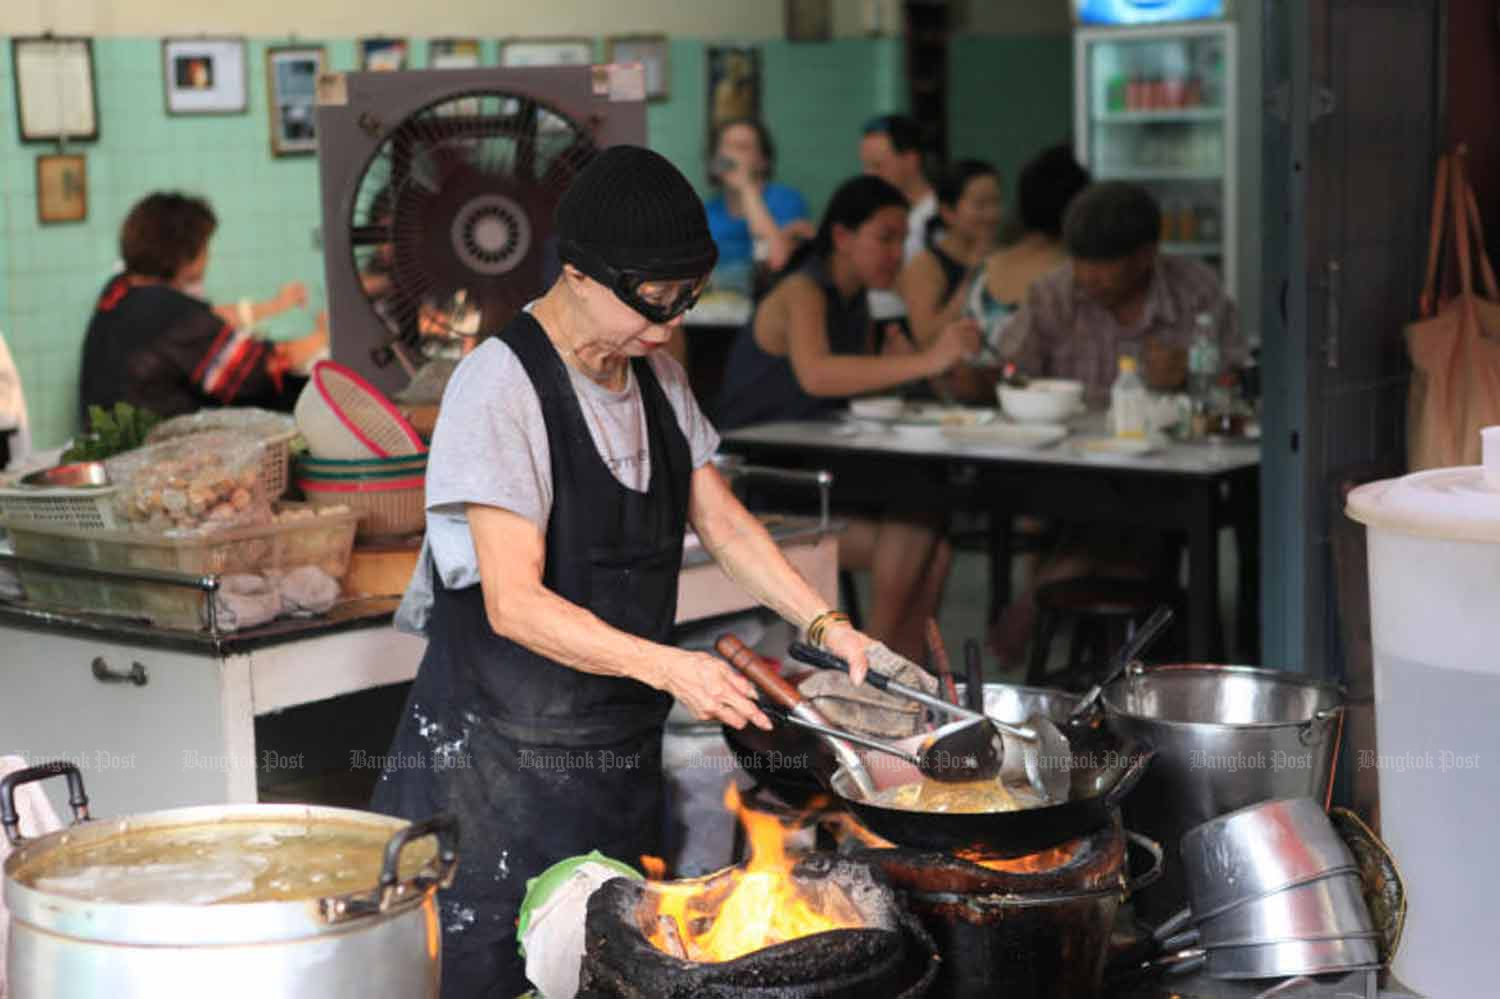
column 1156, row 105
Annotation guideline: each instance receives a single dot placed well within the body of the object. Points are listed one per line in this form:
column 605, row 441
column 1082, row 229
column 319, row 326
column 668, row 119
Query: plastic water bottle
column 1127, row 402
column 1203, row 359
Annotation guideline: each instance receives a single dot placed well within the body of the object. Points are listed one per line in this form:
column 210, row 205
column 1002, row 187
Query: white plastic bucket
column 1434, row 550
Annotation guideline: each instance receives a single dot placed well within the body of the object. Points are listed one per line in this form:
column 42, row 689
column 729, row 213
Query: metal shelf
column 1214, row 249
column 1168, row 115
column 1156, row 173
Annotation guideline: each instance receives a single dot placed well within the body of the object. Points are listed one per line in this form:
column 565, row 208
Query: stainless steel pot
column 1259, row 850
column 383, row 941
column 1330, row 907
column 1225, row 737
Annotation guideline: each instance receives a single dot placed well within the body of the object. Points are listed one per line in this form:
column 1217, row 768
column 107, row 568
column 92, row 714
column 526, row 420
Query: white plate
column 877, row 407
column 1129, row 446
column 927, row 414
column 1022, row 435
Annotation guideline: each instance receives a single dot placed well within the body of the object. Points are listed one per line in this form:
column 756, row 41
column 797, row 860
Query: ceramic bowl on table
column 877, row 407
column 1043, row 400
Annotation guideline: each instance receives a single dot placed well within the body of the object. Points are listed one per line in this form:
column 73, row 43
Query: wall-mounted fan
column 438, row 195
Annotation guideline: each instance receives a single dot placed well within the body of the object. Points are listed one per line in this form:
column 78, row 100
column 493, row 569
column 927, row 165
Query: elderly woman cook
column 568, row 460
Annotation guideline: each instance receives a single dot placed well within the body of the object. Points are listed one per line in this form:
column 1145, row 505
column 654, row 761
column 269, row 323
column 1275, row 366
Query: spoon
column 1045, row 753
column 957, row 752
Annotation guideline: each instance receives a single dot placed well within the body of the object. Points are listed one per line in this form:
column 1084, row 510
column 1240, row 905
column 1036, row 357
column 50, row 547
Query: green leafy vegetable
column 111, row 431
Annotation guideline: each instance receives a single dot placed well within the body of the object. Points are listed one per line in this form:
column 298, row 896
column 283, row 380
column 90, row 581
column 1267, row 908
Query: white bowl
column 878, row 407
column 1044, row 400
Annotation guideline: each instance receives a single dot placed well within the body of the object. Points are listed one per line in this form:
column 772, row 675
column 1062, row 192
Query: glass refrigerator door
column 1157, row 113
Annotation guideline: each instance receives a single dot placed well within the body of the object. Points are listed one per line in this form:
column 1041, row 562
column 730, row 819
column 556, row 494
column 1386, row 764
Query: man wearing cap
column 567, row 462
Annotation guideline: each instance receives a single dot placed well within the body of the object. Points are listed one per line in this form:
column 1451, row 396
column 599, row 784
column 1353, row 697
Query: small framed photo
column 809, row 20
column 62, row 188
column 453, row 53
column 292, row 95
column 546, row 52
column 204, row 75
column 382, row 55
column 733, row 84
column 653, row 53
column 54, row 86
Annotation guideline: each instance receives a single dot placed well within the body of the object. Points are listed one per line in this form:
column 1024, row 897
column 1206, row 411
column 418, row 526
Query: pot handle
column 1153, row 873
column 10, row 819
column 1307, row 732
column 1131, row 777
column 391, row 889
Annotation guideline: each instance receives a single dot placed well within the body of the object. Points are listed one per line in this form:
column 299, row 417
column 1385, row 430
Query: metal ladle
column 1045, row 755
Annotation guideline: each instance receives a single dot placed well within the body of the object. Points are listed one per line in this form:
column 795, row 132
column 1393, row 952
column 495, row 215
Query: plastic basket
column 343, row 416
column 325, row 541
column 90, row 509
column 387, row 507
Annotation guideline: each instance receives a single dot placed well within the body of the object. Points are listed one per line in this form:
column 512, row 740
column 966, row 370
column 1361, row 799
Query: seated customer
column 1118, row 295
column 751, row 212
column 936, row 281
column 809, row 346
column 1043, row 191
column 152, row 343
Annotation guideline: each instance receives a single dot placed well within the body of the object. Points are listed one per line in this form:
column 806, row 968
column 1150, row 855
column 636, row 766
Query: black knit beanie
column 635, row 211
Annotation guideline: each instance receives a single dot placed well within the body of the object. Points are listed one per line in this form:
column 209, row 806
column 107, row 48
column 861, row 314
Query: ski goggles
column 658, row 299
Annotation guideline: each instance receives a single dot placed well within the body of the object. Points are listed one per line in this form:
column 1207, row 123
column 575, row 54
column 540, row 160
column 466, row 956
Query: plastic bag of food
column 202, row 482
column 261, row 424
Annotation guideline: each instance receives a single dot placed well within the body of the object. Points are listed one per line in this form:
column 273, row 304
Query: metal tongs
column 1045, row 755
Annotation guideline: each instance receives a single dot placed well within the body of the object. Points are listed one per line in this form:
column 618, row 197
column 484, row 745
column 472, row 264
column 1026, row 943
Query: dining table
column 1076, row 475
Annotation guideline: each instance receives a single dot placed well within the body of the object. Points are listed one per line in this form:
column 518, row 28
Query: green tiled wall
column 1009, row 98
column 815, row 98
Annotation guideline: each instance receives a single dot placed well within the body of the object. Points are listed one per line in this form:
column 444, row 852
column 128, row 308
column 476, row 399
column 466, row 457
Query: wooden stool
column 1102, row 610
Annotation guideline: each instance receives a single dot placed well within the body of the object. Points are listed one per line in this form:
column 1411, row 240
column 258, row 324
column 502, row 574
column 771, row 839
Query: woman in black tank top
column 936, row 282
column 810, row 346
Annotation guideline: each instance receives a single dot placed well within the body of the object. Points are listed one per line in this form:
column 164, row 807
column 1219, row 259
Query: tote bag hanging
column 1454, row 344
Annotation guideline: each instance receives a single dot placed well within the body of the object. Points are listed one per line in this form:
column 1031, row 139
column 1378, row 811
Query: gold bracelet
column 820, row 624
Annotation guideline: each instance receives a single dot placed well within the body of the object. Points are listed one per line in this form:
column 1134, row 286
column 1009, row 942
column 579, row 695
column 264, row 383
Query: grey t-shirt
column 490, row 448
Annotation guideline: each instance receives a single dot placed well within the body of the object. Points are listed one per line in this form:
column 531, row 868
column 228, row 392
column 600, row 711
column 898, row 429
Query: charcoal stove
column 891, row 957
column 1035, row 926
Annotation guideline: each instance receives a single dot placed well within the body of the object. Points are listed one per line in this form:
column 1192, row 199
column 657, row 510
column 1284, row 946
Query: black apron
column 540, row 761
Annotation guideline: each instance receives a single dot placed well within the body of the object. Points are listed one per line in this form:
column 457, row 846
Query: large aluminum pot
column 1225, row 737
column 159, row 929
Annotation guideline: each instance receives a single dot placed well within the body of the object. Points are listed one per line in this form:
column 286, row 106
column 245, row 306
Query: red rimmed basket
column 344, row 417
column 387, row 507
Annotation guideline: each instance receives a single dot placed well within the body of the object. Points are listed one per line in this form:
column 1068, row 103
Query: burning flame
column 741, row 910
column 1035, row 863
column 655, row 867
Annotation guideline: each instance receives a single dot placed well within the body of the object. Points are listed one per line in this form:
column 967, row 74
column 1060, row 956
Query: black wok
column 798, row 766
column 1104, row 772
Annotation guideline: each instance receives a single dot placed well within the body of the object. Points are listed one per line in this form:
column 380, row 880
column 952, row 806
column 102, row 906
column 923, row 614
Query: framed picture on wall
column 204, row 75
column 62, row 188
column 809, row 20
column 291, row 95
column 652, row 52
column 733, row 83
column 546, row 51
column 453, row 53
column 382, row 55
column 54, row 87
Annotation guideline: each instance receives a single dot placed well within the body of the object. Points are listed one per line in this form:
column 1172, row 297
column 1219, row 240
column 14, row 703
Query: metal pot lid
column 1454, row 504
column 207, row 862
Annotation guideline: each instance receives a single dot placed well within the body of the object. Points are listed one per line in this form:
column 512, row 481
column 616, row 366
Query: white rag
column 554, row 939
column 13, row 407
column 37, row 819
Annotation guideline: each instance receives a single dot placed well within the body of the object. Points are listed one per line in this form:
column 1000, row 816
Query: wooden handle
column 745, row 659
column 941, row 666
